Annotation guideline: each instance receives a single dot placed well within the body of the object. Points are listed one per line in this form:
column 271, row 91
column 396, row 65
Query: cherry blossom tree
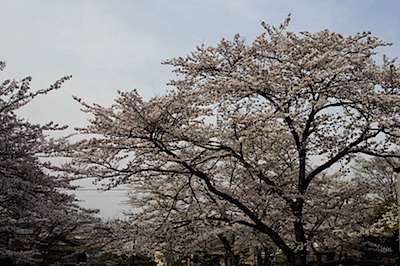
column 35, row 210
column 378, row 177
column 253, row 125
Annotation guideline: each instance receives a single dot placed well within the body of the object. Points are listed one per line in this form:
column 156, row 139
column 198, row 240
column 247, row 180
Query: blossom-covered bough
column 256, row 126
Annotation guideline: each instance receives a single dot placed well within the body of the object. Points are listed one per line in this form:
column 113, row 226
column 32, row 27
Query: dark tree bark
column 230, row 258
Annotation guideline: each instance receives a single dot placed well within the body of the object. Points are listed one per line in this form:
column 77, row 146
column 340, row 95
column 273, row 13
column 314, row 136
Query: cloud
column 104, row 40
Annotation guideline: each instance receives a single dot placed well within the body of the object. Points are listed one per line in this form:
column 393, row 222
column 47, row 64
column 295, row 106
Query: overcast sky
column 110, row 45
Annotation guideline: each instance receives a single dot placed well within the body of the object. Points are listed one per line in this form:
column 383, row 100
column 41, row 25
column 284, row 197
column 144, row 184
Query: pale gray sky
column 110, row 45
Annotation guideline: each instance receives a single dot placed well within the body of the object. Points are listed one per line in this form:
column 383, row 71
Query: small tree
column 382, row 230
column 253, row 125
column 378, row 175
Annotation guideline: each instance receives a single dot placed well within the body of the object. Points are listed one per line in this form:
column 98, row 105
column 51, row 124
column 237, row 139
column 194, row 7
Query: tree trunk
column 230, row 258
column 259, row 257
column 263, row 261
column 131, row 261
column 169, row 259
column 301, row 258
column 267, row 257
